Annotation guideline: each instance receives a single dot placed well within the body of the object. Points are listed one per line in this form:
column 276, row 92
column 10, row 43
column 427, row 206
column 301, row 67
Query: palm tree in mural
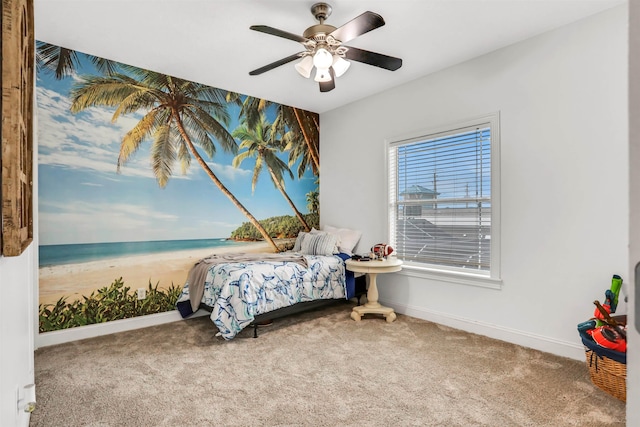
column 63, row 62
column 178, row 115
column 313, row 203
column 300, row 129
column 257, row 142
column 251, row 109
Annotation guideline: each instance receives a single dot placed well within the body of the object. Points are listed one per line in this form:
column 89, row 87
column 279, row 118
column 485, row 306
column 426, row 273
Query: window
column 444, row 198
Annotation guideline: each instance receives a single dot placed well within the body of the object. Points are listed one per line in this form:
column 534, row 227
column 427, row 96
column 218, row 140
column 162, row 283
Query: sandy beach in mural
column 75, row 280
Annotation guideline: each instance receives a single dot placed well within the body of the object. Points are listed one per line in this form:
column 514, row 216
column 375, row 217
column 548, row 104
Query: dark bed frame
column 301, row 307
column 265, row 319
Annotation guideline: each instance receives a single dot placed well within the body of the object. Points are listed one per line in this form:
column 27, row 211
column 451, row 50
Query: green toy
column 614, row 292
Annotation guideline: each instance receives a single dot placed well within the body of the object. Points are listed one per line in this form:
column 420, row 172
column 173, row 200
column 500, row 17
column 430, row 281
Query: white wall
column 19, row 318
column 633, row 335
column 16, row 333
column 562, row 97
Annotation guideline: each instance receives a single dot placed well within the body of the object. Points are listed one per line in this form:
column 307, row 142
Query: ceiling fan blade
column 331, row 84
column 357, row 26
column 276, row 32
column 373, row 58
column 275, row 64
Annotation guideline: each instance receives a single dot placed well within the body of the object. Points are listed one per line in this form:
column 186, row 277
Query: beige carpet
column 314, row 369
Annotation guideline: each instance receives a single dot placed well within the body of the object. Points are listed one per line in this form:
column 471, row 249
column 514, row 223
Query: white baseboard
column 514, row 336
column 525, row 339
column 90, row 331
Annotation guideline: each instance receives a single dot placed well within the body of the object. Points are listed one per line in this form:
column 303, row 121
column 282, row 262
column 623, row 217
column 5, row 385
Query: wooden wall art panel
column 17, row 125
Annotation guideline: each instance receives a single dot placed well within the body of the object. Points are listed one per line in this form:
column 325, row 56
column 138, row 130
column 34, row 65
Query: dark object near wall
column 361, row 286
column 17, row 125
column 637, row 302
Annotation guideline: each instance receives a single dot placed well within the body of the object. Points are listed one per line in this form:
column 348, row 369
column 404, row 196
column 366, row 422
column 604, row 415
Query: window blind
column 440, row 198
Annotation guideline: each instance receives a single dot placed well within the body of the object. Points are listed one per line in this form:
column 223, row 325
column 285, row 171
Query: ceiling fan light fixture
column 340, row 65
column 322, row 59
column 305, row 66
column 322, row 75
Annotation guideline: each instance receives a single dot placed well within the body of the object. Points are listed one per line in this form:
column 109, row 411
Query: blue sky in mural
column 82, row 199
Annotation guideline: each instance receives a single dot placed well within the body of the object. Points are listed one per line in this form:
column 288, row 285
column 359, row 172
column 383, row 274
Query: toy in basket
column 605, row 341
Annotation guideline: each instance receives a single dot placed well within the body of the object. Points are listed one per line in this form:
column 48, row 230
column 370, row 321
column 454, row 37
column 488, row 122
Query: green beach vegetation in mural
column 140, row 174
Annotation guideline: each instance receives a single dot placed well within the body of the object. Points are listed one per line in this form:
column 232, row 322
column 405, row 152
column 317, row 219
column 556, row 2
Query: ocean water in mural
column 141, row 174
column 51, row 255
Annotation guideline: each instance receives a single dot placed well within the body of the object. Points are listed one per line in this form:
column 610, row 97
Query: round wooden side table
column 372, row 269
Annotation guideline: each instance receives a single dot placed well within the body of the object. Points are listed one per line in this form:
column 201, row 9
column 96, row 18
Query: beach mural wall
column 141, row 174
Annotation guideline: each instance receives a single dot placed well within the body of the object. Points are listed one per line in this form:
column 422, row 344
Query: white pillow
column 347, row 239
column 319, row 244
column 297, row 246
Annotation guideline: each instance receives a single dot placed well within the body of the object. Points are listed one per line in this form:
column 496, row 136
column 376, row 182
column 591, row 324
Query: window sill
column 459, row 278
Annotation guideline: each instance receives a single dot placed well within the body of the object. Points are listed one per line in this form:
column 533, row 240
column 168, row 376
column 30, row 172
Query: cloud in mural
column 229, row 172
column 89, row 140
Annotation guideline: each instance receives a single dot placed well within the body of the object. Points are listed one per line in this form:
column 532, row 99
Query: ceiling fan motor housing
column 318, row 29
column 321, row 11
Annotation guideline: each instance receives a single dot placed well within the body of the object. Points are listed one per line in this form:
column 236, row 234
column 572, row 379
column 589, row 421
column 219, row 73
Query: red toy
column 607, row 337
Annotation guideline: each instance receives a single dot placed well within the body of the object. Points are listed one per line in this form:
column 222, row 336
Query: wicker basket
column 607, row 374
column 607, row 368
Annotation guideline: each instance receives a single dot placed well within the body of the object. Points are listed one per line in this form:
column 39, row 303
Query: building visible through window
column 441, row 198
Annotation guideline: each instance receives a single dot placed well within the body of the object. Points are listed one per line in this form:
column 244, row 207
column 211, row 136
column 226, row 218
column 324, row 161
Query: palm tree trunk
column 288, row 199
column 307, row 139
column 221, row 186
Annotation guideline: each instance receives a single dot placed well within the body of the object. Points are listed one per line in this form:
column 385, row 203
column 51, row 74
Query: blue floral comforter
column 239, row 291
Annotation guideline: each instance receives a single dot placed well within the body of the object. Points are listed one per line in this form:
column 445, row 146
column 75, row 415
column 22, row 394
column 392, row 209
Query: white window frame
column 489, row 279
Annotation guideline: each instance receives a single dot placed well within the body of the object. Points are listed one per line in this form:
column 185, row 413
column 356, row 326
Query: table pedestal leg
column 372, row 305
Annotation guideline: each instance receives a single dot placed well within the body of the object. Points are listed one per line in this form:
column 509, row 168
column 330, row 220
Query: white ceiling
column 209, row 41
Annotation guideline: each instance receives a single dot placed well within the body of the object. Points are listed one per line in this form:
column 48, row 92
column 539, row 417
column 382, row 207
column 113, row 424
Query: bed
column 244, row 289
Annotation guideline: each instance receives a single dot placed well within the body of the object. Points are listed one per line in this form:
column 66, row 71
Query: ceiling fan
column 325, row 50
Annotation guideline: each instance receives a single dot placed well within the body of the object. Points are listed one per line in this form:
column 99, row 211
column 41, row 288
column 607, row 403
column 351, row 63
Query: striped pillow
column 320, row 244
column 297, row 247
